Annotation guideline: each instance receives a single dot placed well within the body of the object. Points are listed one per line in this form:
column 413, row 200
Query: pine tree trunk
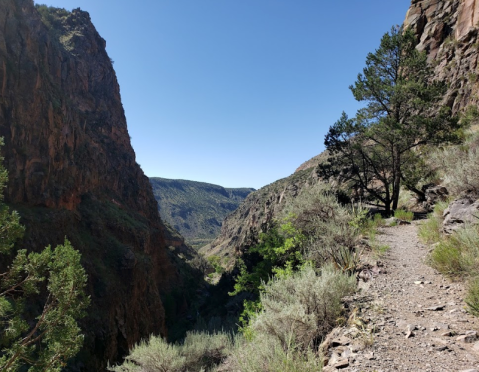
column 397, row 180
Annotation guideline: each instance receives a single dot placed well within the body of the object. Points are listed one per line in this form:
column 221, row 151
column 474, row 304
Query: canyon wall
column 72, row 172
column 447, row 31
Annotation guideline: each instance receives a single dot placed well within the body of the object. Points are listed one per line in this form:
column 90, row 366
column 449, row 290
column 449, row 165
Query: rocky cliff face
column 73, row 173
column 448, row 32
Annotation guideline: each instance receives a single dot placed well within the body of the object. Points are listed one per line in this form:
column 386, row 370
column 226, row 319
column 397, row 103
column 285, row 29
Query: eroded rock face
column 72, row 172
column 447, row 31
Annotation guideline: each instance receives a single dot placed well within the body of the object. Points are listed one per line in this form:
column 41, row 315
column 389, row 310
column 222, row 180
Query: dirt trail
column 418, row 315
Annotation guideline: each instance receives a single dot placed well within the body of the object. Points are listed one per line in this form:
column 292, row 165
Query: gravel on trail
column 416, row 317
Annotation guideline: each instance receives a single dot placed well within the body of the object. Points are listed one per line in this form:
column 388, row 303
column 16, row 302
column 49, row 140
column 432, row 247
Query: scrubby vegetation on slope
column 457, row 255
column 196, row 209
column 293, row 281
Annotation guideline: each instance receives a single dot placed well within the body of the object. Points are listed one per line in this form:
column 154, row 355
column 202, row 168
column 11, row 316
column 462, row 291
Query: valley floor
column 418, row 316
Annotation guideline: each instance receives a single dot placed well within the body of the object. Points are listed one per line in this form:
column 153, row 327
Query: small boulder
column 341, row 363
column 459, row 212
column 341, row 341
column 433, row 195
column 468, row 338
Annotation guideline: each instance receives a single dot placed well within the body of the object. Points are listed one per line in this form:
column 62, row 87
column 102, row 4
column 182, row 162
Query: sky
column 237, row 93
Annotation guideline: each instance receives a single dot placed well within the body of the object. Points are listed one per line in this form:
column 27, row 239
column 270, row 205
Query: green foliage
column 52, row 17
column 54, row 337
column 430, row 230
column 43, row 340
column 472, row 298
column 459, row 166
column 316, row 229
column 325, row 224
column 215, row 261
column 279, row 253
column 346, row 260
column 458, row 255
column 198, row 352
column 378, row 220
column 10, row 228
column 374, row 151
column 265, row 353
column 249, row 313
column 364, row 224
column 290, row 305
column 404, row 215
column 359, row 218
column 379, row 250
column 303, row 307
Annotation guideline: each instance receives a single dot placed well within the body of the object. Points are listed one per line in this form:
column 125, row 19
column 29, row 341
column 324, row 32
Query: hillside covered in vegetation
column 196, row 209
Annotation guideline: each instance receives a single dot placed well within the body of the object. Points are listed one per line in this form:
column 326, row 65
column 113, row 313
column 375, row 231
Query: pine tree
column 403, row 112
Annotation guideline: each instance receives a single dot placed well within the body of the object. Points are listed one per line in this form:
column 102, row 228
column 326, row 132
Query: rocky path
column 415, row 317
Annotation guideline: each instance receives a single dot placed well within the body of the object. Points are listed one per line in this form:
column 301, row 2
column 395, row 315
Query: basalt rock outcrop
column 72, row 172
column 447, row 31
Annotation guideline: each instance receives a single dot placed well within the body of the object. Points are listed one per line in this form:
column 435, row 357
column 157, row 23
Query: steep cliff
column 73, row 172
column 447, row 31
column 196, row 209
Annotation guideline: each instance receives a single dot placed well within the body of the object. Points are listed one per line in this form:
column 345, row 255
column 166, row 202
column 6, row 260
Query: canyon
column 73, row 172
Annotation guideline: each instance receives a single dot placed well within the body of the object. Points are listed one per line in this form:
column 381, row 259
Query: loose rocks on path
column 414, row 319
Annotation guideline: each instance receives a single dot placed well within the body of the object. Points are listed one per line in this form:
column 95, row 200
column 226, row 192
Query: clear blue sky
column 236, row 92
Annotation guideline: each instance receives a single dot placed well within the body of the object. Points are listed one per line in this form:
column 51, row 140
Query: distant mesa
column 196, row 209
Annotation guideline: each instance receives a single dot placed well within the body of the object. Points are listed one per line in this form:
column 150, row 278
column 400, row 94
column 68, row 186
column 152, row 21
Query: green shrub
column 379, row 250
column 430, row 231
column 198, row 352
column 404, row 215
column 378, row 220
column 325, row 224
column 215, row 261
column 446, row 258
column 458, row 255
column 279, row 251
column 406, row 199
column 303, row 307
column 459, row 166
column 266, row 354
column 472, row 298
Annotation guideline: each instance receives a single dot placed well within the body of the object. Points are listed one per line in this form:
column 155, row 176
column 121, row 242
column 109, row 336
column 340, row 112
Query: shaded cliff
column 196, row 209
column 72, row 171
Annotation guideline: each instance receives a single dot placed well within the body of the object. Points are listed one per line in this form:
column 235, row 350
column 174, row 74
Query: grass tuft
column 404, row 215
